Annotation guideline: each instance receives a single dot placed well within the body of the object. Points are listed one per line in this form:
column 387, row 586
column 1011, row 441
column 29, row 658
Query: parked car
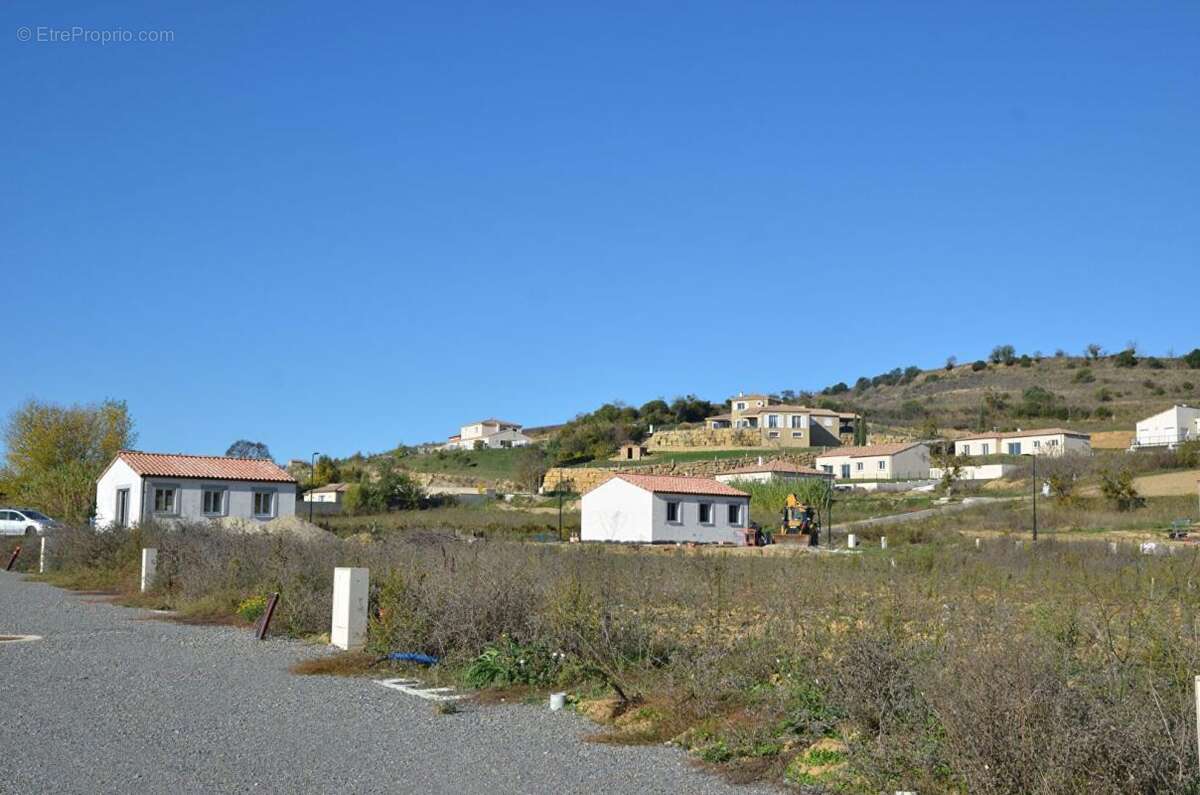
column 25, row 522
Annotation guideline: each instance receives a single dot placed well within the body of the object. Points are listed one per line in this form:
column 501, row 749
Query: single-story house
column 330, row 492
column 630, row 451
column 650, row 509
column 771, row 471
column 1168, row 428
column 900, row 460
column 1039, row 441
column 138, row 487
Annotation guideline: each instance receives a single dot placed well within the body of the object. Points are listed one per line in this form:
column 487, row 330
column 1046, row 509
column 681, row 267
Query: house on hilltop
column 786, row 425
column 653, row 509
column 138, row 487
column 489, row 433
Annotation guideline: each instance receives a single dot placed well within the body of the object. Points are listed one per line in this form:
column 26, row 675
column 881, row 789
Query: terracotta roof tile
column 674, row 484
column 178, row 465
column 868, row 451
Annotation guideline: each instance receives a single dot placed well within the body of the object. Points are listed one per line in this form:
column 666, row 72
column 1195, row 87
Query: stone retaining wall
column 585, row 478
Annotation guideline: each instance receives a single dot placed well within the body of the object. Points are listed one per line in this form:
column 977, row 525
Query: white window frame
column 734, row 514
column 273, row 494
column 987, row 448
column 712, row 519
column 772, row 420
column 859, row 466
column 966, row 449
column 883, row 463
column 173, row 489
column 223, row 491
column 799, row 420
column 678, row 505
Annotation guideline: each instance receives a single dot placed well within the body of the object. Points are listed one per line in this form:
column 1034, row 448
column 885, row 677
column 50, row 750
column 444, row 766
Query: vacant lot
column 1169, row 484
column 934, row 666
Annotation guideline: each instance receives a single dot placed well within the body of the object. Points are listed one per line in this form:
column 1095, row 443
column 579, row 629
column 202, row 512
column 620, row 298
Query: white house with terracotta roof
column 489, row 433
column 139, row 487
column 899, row 461
column 653, row 509
column 1038, row 441
column 772, row 471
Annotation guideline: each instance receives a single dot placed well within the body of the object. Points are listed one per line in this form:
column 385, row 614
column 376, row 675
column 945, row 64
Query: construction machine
column 799, row 522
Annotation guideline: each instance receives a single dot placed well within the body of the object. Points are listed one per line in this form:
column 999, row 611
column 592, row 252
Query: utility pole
column 312, row 480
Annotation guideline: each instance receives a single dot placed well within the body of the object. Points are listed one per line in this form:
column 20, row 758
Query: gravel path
column 112, row 701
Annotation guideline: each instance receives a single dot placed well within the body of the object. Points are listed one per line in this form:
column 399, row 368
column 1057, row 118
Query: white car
column 25, row 522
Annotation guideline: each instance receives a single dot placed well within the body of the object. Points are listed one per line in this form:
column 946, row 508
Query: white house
column 330, row 492
column 490, row 433
column 877, row 462
column 650, row 509
column 1168, row 428
column 139, row 487
column 1038, row 441
column 772, row 471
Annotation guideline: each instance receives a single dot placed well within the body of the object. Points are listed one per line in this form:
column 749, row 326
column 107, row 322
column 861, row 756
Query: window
column 799, row 420
column 827, row 468
column 214, row 501
column 987, row 449
column 1052, row 443
column 741, row 406
column 735, row 515
column 164, row 499
column 672, row 512
column 967, row 449
column 859, row 466
column 797, row 434
column 706, row 513
column 773, row 434
column 883, row 464
column 264, row 503
column 772, row 420
column 1014, row 448
column 1037, row 443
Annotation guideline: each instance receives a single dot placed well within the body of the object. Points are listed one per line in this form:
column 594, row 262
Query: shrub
column 977, row 365
column 1103, row 413
column 1025, row 361
column 1126, row 358
column 1192, row 359
column 252, row 609
column 1084, row 376
column 1119, row 489
column 1154, row 363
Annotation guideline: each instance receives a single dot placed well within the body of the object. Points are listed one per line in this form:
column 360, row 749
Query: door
column 845, row 471
column 121, row 517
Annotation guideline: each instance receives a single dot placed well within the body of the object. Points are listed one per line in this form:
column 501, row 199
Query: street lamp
column 1033, row 460
column 312, row 480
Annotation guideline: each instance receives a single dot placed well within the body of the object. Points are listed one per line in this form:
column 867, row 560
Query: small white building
column 899, row 461
column 772, row 471
column 1039, row 441
column 651, row 509
column 330, row 492
column 490, row 433
column 139, row 487
column 1168, row 428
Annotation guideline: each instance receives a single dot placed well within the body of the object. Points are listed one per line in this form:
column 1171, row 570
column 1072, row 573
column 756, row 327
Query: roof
column 1023, row 434
column 783, row 467
column 719, row 417
column 179, row 465
column 869, row 451
column 674, row 484
column 329, row 487
column 494, row 421
column 788, row 408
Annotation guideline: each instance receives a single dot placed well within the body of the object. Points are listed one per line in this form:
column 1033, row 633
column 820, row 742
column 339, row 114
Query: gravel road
column 111, row 700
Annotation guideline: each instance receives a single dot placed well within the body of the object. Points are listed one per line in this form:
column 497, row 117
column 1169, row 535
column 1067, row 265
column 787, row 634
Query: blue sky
column 338, row 229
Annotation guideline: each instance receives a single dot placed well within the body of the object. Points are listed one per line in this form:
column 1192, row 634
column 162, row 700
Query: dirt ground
column 1168, row 484
column 1111, row 440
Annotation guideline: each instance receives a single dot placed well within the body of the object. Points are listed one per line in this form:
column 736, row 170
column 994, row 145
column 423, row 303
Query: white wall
column 975, row 446
column 617, row 510
column 910, row 463
column 978, row 472
column 1168, row 427
column 1039, row 444
column 119, row 475
column 689, row 527
column 323, row 496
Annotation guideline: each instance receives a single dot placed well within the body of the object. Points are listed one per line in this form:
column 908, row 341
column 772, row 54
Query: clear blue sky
column 338, row 229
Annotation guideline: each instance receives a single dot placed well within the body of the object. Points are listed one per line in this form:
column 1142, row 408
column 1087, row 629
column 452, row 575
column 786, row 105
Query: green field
column 491, row 465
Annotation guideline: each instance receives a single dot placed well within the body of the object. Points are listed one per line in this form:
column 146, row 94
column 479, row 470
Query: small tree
column 951, row 361
column 1093, row 351
column 1192, row 359
column 860, row 431
column 1003, row 354
column 1126, row 358
column 952, row 467
column 1118, row 488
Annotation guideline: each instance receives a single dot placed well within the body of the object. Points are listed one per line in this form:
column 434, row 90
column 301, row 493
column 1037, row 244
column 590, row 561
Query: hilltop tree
column 951, row 361
column 56, row 453
column 1192, row 359
column 1003, row 354
column 244, row 448
column 1093, row 351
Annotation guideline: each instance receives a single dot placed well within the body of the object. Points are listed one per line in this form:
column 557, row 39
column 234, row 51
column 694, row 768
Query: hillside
column 1102, row 394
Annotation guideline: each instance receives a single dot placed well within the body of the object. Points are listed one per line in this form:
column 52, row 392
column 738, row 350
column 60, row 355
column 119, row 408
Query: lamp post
column 1033, row 461
column 312, row 480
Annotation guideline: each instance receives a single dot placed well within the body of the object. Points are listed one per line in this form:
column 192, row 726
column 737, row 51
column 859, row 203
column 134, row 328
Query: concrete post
column 851, row 541
column 42, row 557
column 979, row 543
column 149, row 565
column 883, row 542
column 1112, row 547
column 349, row 630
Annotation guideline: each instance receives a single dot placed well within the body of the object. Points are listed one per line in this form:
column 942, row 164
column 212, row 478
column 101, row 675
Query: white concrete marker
column 557, row 701
column 349, row 630
column 978, row 543
column 851, row 541
column 883, row 542
column 42, row 557
column 1149, row 547
column 149, row 565
column 1112, row 547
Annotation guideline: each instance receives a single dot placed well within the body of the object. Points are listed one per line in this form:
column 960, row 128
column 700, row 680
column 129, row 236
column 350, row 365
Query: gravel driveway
column 111, row 701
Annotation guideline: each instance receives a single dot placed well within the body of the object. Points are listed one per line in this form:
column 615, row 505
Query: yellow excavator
column 799, row 519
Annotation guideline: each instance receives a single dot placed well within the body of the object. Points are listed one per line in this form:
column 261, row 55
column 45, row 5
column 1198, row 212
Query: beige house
column 902, row 460
column 490, row 433
column 1041, row 441
column 330, row 492
column 771, row 472
column 786, row 425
